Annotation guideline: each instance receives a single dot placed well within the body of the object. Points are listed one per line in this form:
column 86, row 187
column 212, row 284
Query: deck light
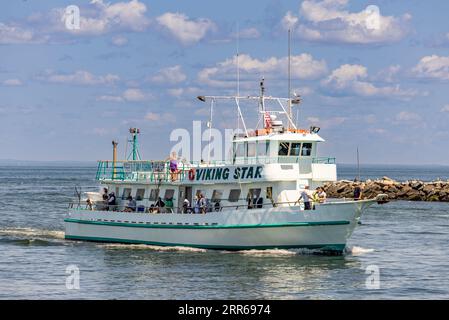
column 202, row 98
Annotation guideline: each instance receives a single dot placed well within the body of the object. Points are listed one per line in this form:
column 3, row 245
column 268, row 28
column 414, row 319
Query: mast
column 135, row 155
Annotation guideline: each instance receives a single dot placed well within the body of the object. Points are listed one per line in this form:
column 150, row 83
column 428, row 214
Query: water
column 407, row 241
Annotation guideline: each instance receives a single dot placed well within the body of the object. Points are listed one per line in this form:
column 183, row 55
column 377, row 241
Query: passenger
column 196, row 207
column 217, row 206
column 89, row 204
column 104, row 205
column 112, row 202
column 131, row 206
column 105, row 192
column 358, row 192
column 305, row 196
column 169, row 205
column 321, row 195
column 203, row 204
column 173, row 166
column 186, row 206
column 160, row 205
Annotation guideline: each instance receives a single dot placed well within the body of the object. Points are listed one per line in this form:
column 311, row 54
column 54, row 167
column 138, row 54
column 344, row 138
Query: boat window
column 126, row 193
column 234, row 195
column 283, row 148
column 253, row 193
column 294, row 150
column 140, row 194
column 154, row 194
column 306, row 149
column 169, row 193
column 262, row 148
column 217, row 195
column 269, row 194
column 240, row 150
column 251, row 149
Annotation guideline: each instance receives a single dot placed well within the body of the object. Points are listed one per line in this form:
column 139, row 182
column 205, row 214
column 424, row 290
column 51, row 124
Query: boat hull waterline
column 326, row 228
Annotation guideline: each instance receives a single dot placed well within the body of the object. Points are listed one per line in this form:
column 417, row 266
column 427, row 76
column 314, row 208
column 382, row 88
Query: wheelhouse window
column 234, row 195
column 306, row 150
column 251, row 149
column 126, row 193
column 262, row 148
column 240, row 150
column 294, row 149
column 283, row 148
column 154, row 194
column 140, row 194
column 217, row 195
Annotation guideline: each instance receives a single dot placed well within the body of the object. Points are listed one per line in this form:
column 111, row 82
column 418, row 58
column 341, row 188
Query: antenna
column 289, row 79
column 238, row 67
column 135, row 150
column 358, row 164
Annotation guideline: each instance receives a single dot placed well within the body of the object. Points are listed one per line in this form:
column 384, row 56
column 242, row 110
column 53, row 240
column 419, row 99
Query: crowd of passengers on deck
column 201, row 204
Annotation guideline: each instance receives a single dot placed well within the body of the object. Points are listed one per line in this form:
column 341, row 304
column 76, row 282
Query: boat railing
column 101, row 206
column 159, row 171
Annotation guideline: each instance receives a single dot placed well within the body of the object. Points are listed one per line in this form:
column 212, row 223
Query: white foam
column 358, row 251
column 150, row 247
column 30, row 232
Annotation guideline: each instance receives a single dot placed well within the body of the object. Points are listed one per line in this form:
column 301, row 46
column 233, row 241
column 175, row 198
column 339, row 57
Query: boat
column 250, row 201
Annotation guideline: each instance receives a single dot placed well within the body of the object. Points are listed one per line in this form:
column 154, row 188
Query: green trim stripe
column 240, row 226
column 322, row 247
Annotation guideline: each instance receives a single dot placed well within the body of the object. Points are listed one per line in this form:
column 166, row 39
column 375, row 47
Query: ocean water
column 407, row 242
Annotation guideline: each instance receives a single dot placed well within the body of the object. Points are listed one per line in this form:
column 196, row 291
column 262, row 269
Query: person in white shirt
column 306, row 196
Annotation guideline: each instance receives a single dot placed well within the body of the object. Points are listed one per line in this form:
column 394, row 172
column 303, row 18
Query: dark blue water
column 406, row 241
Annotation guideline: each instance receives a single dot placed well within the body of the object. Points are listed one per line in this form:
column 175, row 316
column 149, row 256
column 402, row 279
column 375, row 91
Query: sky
column 374, row 81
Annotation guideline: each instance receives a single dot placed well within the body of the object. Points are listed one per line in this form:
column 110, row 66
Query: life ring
column 192, row 174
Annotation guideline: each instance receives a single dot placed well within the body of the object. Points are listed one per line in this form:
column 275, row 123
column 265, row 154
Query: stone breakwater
column 413, row 190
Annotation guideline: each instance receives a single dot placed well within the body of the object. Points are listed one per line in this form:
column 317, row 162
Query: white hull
column 327, row 228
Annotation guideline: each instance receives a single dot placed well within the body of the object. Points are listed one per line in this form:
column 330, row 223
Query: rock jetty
column 413, row 190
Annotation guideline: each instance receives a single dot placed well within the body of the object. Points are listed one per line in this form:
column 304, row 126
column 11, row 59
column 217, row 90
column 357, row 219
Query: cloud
column 12, row 82
column 326, row 123
column 185, row 30
column 351, row 79
column 432, row 67
column 388, row 74
column 303, row 66
column 160, row 117
column 445, row 108
column 170, row 75
column 14, row 34
column 289, row 21
column 328, row 21
column 80, row 77
column 180, row 92
column 119, row 41
column 131, row 95
column 134, row 95
column 405, row 116
column 106, row 17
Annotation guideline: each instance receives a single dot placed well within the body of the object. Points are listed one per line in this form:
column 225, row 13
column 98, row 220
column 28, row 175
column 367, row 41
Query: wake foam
column 32, row 233
column 357, row 251
column 149, row 247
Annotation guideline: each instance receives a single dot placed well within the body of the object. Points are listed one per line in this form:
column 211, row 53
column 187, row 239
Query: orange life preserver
column 192, row 174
